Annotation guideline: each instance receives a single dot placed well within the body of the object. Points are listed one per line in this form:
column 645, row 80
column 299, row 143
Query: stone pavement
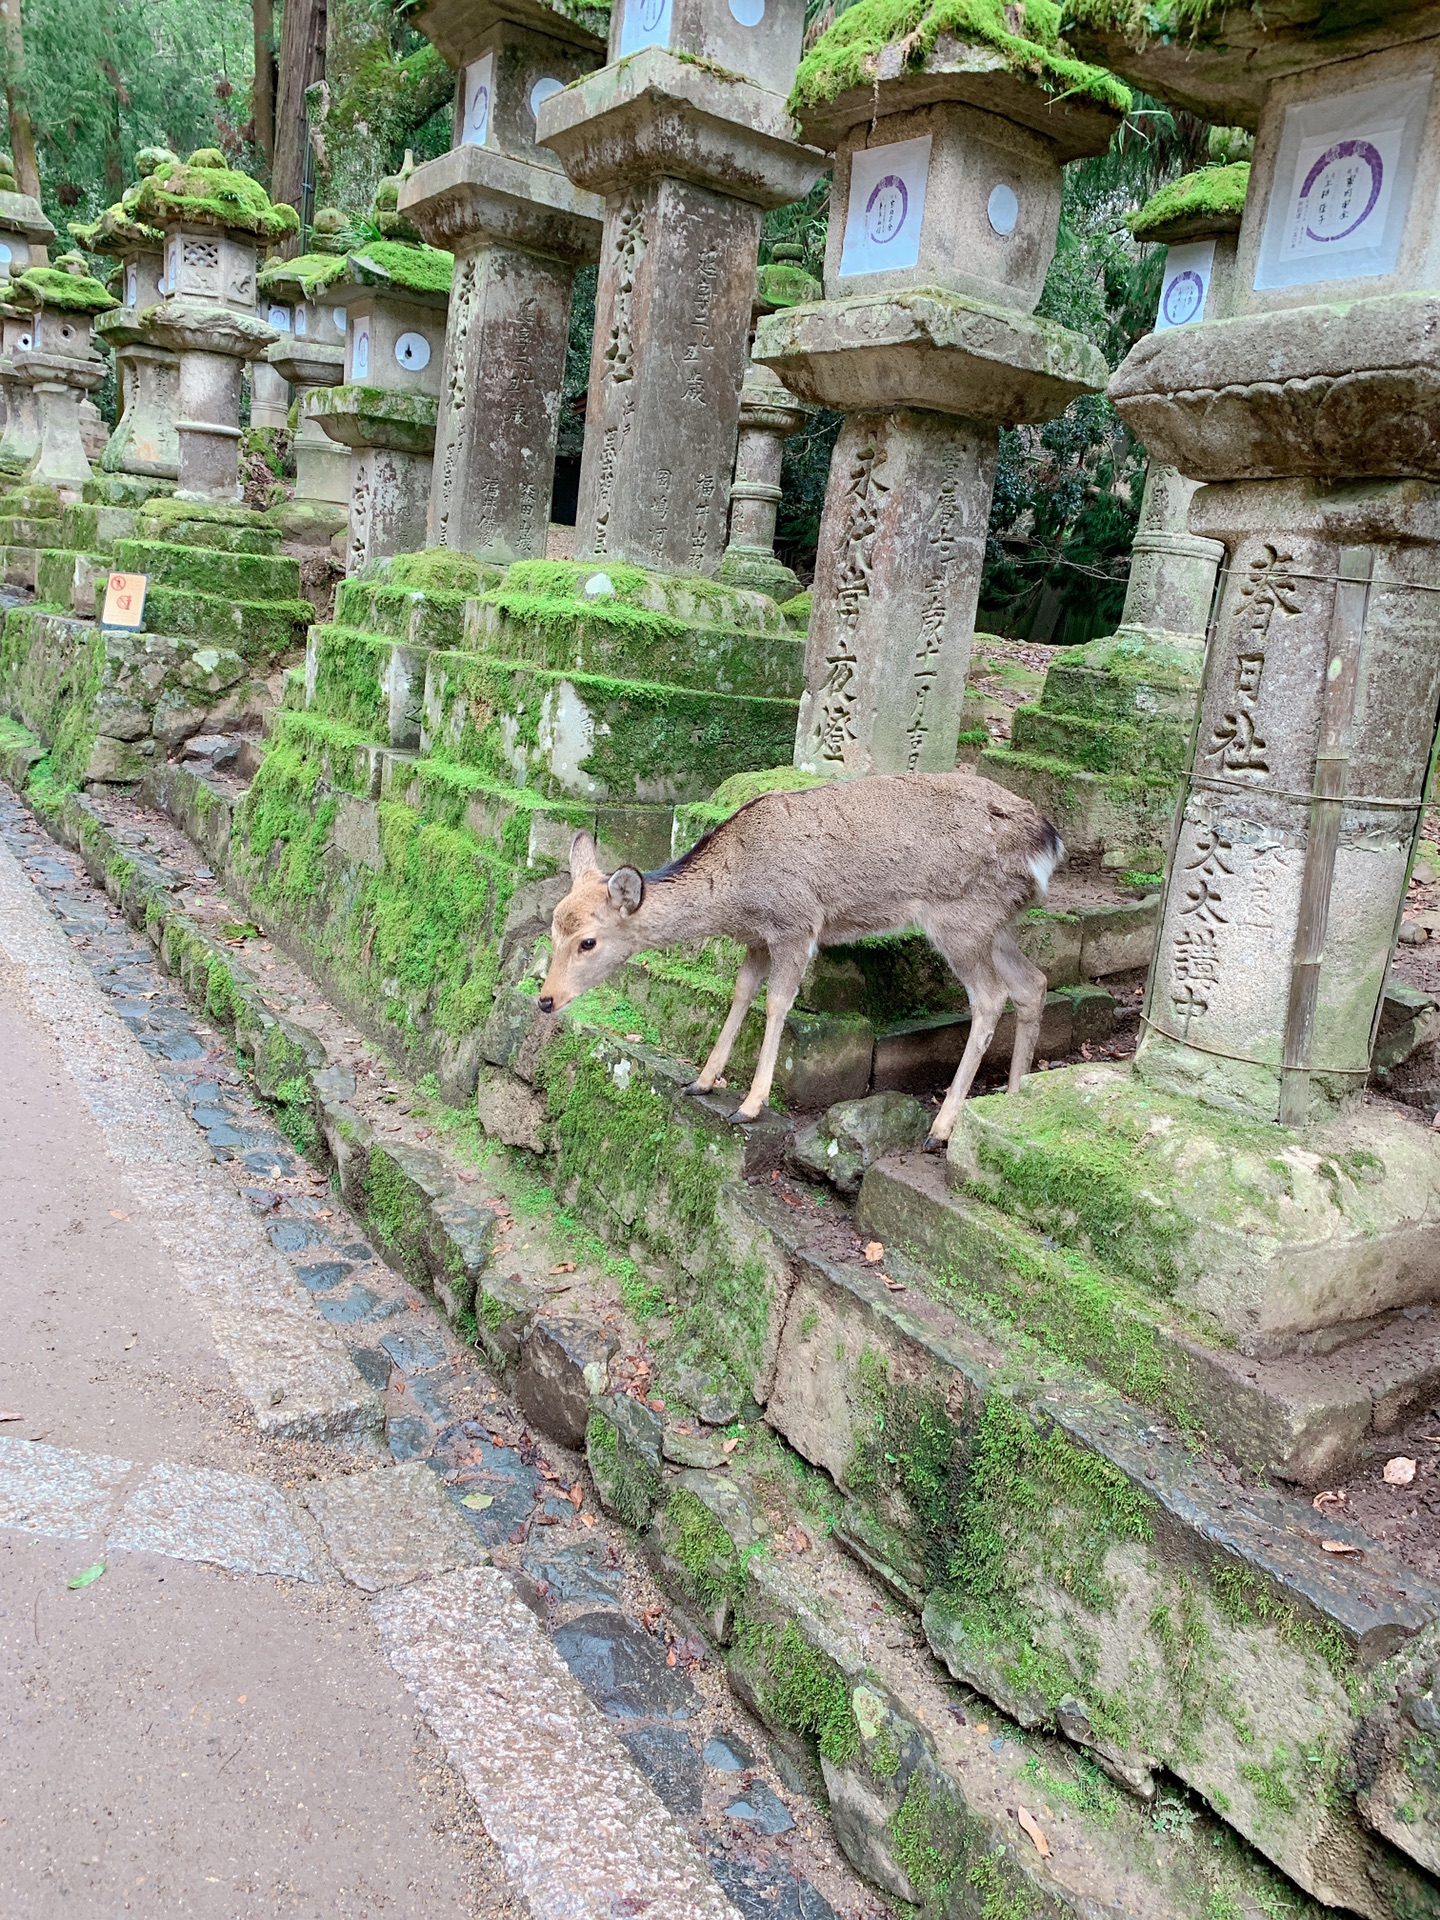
column 298, row 1685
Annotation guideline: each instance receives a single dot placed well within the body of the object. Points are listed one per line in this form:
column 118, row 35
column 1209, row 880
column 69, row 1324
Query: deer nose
column 547, row 1003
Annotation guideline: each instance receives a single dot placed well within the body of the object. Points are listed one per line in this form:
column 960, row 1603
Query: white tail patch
column 1042, row 865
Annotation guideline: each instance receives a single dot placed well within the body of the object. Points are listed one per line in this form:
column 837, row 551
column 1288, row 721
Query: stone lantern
column 769, row 414
column 948, row 160
column 310, row 353
column 687, row 135
column 24, row 230
column 395, row 292
column 144, row 440
column 518, row 228
column 1103, row 751
column 55, row 359
column 213, row 219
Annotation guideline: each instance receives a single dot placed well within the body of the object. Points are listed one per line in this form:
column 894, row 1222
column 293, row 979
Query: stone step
column 190, row 524
column 921, row 1054
column 239, row 576
column 1125, row 818
column 104, row 489
column 576, row 586
column 434, row 617
column 1157, row 749
column 1112, row 679
column 90, row 526
column 70, row 579
column 611, row 636
column 595, row 738
column 259, row 629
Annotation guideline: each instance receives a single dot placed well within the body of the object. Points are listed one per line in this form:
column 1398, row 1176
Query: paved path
column 274, row 1697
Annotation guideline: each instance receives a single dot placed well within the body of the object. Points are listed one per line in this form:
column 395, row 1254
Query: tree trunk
column 262, row 14
column 22, row 134
column 302, row 63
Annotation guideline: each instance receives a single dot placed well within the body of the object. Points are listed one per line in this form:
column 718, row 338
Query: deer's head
column 593, row 928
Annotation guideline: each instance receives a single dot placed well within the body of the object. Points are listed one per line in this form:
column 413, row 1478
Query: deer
column 950, row 853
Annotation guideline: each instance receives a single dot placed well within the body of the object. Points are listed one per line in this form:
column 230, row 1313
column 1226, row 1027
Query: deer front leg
column 786, row 972
column 747, row 985
column 1028, row 987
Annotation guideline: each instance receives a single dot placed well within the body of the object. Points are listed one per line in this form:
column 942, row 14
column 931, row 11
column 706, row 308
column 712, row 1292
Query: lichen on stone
column 848, row 53
column 1211, row 192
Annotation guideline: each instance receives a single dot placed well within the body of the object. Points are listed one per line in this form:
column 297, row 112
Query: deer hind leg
column 988, row 992
column 747, row 985
column 1028, row 987
column 787, row 970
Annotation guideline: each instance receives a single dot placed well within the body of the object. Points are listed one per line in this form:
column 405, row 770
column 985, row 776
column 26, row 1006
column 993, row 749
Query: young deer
column 947, row 852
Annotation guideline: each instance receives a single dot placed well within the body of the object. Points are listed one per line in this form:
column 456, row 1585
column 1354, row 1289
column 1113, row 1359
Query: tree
column 262, row 93
column 302, row 65
column 22, row 133
column 386, row 90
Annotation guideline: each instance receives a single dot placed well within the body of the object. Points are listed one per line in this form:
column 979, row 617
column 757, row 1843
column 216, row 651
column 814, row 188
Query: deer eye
column 586, row 945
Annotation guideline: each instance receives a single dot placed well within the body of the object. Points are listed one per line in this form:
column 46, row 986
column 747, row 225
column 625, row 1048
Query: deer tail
column 1047, row 850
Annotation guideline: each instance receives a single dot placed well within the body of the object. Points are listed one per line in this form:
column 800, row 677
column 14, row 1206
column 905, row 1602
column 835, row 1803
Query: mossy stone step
column 1126, row 818
column 596, row 738
column 242, row 576
column 38, row 500
column 90, row 526
column 74, row 580
column 256, row 628
column 1116, row 680
column 693, row 601
column 1157, row 749
column 612, row 636
column 104, row 489
column 432, row 617
column 30, row 530
column 190, row 524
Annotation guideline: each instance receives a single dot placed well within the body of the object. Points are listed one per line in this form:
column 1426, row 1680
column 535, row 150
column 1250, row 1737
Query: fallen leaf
column 88, row 1577
column 895, row 1286
column 118, row 1213
column 874, row 1253
column 565, row 1266
column 478, row 1502
column 1399, row 1471
column 671, row 1658
column 7, row 1415
column 728, row 1446
column 1342, row 1546
column 577, row 1495
column 797, row 1539
column 1330, row 1498
column 130, row 1342
column 1029, row 1825
column 587, row 1519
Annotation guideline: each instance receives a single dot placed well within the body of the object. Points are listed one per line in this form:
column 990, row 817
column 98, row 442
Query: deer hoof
column 934, row 1144
column 742, row 1119
column 694, row 1090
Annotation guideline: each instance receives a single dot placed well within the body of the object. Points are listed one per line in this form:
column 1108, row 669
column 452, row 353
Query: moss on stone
column 66, row 292
column 306, row 273
column 1211, row 193
column 435, row 569
column 801, row 1689
column 396, row 263
column 195, row 193
column 847, row 54
column 115, row 232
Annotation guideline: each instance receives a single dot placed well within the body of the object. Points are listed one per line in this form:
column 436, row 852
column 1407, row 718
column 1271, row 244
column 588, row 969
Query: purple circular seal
column 1345, row 185
column 650, row 12
column 886, row 209
column 1184, row 297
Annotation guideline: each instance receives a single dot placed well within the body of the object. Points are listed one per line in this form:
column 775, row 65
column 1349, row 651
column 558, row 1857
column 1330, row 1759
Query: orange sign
column 125, row 601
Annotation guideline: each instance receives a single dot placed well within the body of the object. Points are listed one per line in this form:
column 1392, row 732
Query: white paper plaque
column 644, row 23
column 1186, row 285
column 479, row 86
column 887, row 205
column 360, row 352
column 1343, row 180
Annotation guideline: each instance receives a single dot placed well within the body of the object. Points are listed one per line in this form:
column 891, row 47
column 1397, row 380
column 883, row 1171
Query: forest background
column 321, row 99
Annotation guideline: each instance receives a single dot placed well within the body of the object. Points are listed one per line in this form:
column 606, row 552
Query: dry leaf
column 797, row 1539
column 565, row 1266
column 1399, row 1471
column 118, row 1213
column 5, row 1414
column 1332, row 1497
column 1342, row 1546
column 1030, row 1826
column 477, row 1501
column 895, row 1286
column 728, row 1446
column 577, row 1495
column 587, row 1519
column 874, row 1253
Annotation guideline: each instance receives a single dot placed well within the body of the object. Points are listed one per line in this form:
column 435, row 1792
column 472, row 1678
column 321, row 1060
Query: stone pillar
column 21, row 438
column 688, row 137
column 518, row 229
column 24, row 231
column 769, row 414
column 395, row 294
column 56, row 362
column 1307, row 413
column 310, row 352
column 144, row 440
column 213, row 347
column 269, row 390
column 944, row 225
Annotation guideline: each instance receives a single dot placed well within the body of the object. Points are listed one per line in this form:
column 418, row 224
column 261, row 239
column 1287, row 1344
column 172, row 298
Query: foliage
column 105, row 78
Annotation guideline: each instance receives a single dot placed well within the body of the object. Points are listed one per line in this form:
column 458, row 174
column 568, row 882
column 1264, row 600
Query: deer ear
column 627, row 890
column 584, row 857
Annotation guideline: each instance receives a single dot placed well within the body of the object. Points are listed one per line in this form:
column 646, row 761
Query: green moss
column 396, row 263
column 306, row 273
column 802, row 1689
column 910, row 1456
column 208, row 196
column 741, row 788
column 395, row 1214
column 69, row 292
column 847, row 54
column 629, row 1484
column 437, row 569
column 1245, row 1598
column 1271, row 1783
column 1212, row 193
column 711, row 1568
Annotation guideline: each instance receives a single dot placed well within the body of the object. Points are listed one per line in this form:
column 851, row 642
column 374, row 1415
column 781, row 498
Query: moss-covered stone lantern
column 144, row 440
column 395, row 291
column 1103, row 752
column 24, row 231
column 54, row 358
column 213, row 219
column 949, row 143
column 518, row 228
column 687, row 136
column 769, row 414
column 311, row 319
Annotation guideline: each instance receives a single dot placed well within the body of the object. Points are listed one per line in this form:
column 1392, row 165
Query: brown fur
column 950, row 853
